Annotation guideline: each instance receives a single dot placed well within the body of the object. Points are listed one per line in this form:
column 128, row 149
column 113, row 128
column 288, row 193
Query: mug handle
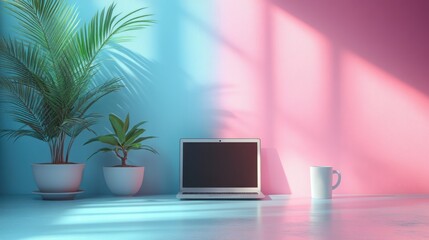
column 338, row 179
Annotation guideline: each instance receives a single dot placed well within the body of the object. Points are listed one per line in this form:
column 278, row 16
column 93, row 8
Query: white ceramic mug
column 321, row 181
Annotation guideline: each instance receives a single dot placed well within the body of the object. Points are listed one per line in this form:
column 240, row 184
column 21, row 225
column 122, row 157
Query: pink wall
column 341, row 83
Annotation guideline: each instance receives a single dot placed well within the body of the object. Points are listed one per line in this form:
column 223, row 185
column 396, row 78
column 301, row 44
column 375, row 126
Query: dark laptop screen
column 220, row 164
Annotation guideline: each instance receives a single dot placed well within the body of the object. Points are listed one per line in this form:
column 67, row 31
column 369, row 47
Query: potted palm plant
column 48, row 79
column 123, row 179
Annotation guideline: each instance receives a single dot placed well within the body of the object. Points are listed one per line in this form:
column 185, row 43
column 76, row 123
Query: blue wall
column 168, row 77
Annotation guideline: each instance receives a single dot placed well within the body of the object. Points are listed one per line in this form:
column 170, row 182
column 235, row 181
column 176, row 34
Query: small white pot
column 58, row 178
column 124, row 181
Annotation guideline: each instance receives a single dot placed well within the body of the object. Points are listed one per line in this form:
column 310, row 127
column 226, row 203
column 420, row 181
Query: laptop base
column 225, row 196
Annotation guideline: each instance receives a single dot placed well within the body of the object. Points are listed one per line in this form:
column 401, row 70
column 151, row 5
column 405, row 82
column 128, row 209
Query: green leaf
column 118, row 127
column 102, row 150
column 135, row 145
column 91, row 140
column 141, row 139
column 144, row 147
column 108, row 139
column 126, row 123
column 134, row 129
column 136, row 133
column 96, row 139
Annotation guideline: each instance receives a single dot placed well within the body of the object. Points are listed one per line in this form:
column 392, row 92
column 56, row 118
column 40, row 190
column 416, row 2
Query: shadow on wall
column 2, row 117
column 390, row 34
column 174, row 107
column 3, row 180
column 378, row 55
column 136, row 72
column 174, row 103
column 138, row 78
column 273, row 176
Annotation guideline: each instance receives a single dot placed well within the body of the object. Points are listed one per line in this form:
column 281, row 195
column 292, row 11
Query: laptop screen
column 220, row 164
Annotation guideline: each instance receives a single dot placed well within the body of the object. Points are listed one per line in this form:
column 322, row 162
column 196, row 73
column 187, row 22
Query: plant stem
column 56, row 146
column 123, row 157
column 69, row 148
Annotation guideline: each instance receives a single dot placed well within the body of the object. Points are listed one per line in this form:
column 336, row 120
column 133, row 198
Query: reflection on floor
column 164, row 217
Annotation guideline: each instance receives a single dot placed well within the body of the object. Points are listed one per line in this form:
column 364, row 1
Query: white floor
column 164, row 217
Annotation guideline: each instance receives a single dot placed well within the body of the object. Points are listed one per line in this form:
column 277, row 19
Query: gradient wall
column 341, row 83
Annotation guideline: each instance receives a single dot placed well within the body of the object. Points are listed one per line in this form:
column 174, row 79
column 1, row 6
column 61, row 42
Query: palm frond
column 25, row 63
column 27, row 107
column 103, row 29
column 48, row 23
column 16, row 134
column 86, row 99
column 75, row 125
column 48, row 73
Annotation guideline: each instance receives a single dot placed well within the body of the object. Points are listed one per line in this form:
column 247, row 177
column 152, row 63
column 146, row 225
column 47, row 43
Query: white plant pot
column 124, row 181
column 58, row 178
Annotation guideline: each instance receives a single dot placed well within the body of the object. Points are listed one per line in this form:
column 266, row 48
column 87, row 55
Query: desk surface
column 164, row 217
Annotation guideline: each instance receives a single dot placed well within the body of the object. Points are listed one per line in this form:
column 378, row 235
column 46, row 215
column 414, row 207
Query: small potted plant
column 123, row 179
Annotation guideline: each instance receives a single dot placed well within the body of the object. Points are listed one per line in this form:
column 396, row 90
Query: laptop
column 223, row 168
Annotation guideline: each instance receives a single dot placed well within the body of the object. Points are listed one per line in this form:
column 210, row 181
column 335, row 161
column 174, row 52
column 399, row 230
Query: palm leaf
column 75, row 125
column 86, row 100
column 16, row 134
column 27, row 107
column 102, row 29
column 25, row 63
column 49, row 23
